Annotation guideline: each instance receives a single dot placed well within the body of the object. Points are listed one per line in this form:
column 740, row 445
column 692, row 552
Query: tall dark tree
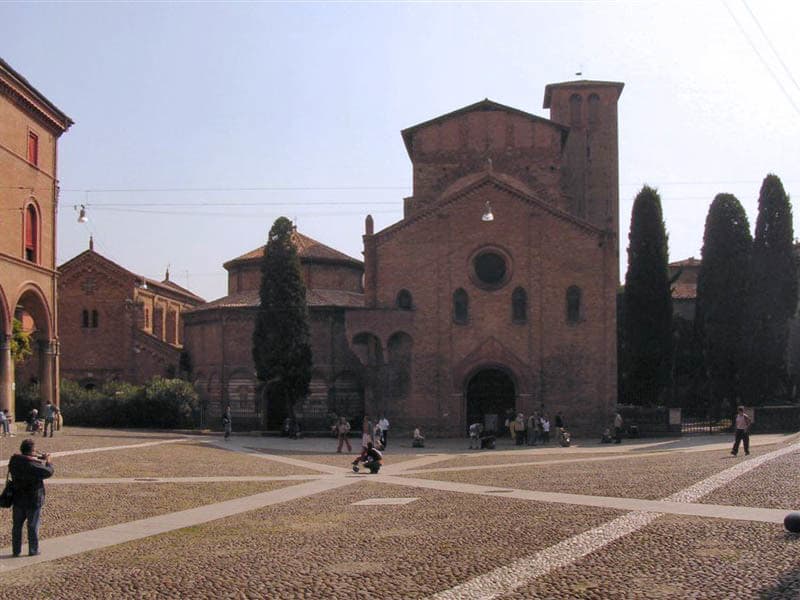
column 281, row 348
column 773, row 297
column 721, row 310
column 647, row 334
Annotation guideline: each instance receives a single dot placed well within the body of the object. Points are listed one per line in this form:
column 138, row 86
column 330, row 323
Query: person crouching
column 371, row 457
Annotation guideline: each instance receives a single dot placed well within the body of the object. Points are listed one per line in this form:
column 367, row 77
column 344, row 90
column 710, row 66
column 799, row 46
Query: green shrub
column 162, row 403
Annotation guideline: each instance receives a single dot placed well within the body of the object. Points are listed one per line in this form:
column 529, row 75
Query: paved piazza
column 159, row 515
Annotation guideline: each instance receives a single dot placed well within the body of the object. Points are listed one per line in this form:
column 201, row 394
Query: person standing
column 4, row 423
column 49, row 418
column 28, row 472
column 520, row 429
column 617, row 428
column 227, row 421
column 384, row 425
column 545, row 430
column 743, row 423
column 342, row 430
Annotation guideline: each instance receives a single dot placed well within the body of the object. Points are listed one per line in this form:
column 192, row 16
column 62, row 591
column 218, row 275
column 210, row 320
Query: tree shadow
column 788, row 585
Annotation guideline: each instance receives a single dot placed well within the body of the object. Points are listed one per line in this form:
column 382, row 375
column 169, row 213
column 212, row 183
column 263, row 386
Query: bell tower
column 590, row 171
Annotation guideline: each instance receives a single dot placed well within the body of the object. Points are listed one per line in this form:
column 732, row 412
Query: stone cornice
column 30, row 100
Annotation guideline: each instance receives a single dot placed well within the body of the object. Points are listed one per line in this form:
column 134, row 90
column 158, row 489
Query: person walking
column 384, row 425
column 49, row 418
column 227, row 421
column 743, row 423
column 28, row 472
column 342, row 430
column 617, row 428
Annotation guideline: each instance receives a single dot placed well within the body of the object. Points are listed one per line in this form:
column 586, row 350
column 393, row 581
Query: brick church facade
column 495, row 293
column 116, row 325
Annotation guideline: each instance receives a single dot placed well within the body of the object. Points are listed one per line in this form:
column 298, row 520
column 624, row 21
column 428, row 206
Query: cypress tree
column 647, row 301
column 281, row 347
column 773, row 297
column 721, row 308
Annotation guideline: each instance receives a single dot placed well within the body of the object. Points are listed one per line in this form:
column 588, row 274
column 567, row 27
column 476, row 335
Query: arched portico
column 490, row 393
column 33, row 311
column 6, row 361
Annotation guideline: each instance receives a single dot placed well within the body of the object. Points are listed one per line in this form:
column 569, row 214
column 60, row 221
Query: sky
column 198, row 124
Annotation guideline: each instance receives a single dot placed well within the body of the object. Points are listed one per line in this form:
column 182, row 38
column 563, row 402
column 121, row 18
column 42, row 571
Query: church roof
column 316, row 298
column 686, row 262
column 483, row 105
column 91, row 255
column 308, row 249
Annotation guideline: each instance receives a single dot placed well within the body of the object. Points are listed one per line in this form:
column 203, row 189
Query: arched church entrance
column 491, row 395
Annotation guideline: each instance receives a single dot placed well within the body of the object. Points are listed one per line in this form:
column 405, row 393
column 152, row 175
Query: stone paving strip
column 506, row 579
column 74, row 508
column 41, row 447
column 679, row 558
column 241, row 448
column 320, row 546
column 775, row 485
column 217, row 479
column 188, row 459
column 646, row 477
column 103, row 537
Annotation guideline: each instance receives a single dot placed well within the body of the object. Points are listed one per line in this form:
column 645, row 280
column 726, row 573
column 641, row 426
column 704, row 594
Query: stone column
column 6, row 374
column 46, row 368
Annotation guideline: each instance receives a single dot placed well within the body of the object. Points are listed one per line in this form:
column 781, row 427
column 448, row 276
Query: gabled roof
column 22, row 87
column 165, row 285
column 577, row 85
column 483, row 105
column 686, row 262
column 308, row 249
column 502, row 181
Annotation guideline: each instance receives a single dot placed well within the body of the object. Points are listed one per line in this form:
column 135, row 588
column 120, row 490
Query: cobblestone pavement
column 482, row 531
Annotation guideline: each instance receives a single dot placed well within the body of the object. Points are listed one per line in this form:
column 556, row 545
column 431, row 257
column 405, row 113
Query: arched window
column 85, row 318
column 573, row 304
column 404, row 300
column 95, row 318
column 575, row 109
column 31, row 234
column 594, row 109
column 460, row 306
column 519, row 306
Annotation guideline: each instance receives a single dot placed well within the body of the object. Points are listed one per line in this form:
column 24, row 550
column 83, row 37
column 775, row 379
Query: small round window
column 490, row 268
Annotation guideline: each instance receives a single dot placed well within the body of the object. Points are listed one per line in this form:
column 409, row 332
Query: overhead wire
column 771, row 46
column 766, row 65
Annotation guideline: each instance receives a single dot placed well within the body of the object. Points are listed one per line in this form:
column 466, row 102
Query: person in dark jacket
column 28, row 472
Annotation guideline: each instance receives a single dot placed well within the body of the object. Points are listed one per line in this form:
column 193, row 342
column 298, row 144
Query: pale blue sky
column 313, row 95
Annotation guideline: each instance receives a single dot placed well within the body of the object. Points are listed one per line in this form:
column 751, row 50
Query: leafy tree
column 647, row 303
column 20, row 342
column 281, row 347
column 773, row 297
column 721, row 309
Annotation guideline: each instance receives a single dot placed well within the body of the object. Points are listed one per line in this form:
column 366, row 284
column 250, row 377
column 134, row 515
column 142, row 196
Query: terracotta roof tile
column 314, row 297
column 307, row 248
column 684, row 291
